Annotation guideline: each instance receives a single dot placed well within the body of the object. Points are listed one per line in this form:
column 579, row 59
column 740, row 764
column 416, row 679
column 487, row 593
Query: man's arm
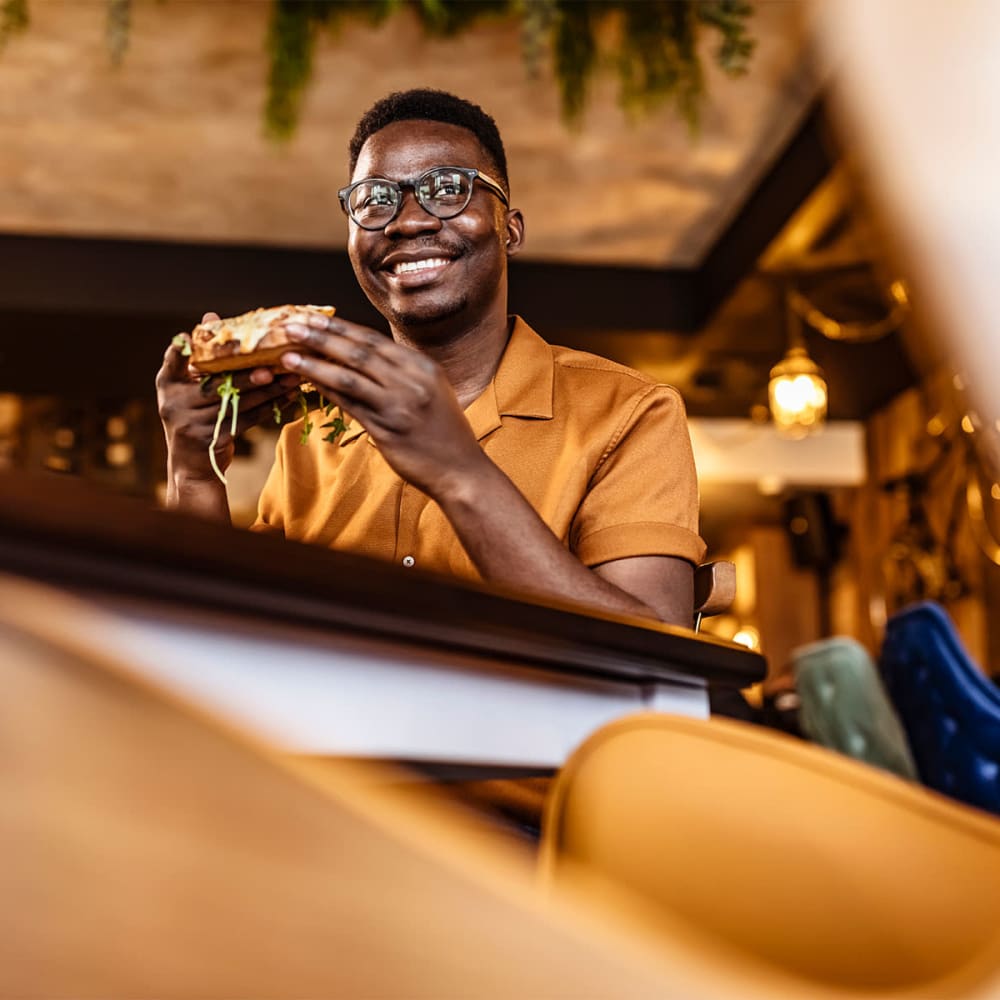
column 408, row 407
column 510, row 544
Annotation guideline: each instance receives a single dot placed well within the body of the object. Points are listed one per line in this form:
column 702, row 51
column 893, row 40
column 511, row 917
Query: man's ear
column 514, row 231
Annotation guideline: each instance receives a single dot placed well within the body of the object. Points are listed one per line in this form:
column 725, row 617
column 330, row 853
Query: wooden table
column 327, row 653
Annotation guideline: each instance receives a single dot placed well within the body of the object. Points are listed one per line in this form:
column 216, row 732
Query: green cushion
column 844, row 706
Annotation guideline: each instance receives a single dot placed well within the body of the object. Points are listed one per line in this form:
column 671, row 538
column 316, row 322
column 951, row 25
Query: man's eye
column 444, row 188
column 377, row 197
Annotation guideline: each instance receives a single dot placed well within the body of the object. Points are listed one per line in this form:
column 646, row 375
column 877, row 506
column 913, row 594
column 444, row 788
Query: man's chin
column 428, row 314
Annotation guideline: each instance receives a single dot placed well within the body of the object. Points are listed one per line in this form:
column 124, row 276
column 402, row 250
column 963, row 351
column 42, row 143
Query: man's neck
column 469, row 357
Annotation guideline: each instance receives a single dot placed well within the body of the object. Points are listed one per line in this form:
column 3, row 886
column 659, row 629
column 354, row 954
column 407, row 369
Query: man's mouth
column 411, row 266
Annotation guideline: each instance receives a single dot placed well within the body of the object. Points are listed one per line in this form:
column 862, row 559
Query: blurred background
column 160, row 159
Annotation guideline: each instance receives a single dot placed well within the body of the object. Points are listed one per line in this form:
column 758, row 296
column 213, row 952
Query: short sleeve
column 643, row 496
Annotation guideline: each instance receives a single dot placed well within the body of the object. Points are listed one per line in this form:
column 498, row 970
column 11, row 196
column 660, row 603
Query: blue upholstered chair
column 844, row 706
column 949, row 708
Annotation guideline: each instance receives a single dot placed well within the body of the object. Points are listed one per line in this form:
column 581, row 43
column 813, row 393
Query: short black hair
column 436, row 106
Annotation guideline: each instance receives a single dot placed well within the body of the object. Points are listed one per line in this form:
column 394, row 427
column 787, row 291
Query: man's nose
column 413, row 217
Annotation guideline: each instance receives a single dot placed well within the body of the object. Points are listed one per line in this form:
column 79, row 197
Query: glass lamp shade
column 797, row 394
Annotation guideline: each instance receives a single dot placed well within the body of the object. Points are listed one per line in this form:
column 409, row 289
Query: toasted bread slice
column 253, row 340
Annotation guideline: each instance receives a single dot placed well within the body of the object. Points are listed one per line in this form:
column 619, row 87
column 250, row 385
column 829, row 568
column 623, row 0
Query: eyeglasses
column 444, row 192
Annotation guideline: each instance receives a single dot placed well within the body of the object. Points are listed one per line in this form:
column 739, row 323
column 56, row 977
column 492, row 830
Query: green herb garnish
column 306, row 422
column 338, row 425
column 183, row 343
column 230, row 397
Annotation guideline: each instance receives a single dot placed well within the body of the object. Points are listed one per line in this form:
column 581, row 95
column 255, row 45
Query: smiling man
column 475, row 448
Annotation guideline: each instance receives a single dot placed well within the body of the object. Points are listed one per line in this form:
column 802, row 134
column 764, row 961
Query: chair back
column 949, row 708
column 714, row 589
column 794, row 866
column 843, row 705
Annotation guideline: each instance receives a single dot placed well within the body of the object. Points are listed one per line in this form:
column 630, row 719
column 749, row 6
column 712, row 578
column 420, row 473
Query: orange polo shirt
column 600, row 451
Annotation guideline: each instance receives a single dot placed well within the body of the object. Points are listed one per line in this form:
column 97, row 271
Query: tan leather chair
column 793, row 871
column 714, row 589
column 148, row 850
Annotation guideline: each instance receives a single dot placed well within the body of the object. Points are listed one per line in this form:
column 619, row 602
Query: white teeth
column 404, row 267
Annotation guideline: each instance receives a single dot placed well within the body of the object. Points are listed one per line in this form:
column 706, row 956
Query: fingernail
column 291, row 360
column 296, row 331
column 261, row 377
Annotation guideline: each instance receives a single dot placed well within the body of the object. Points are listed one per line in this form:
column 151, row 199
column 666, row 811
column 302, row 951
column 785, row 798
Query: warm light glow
column 900, row 292
column 770, row 486
column 116, row 427
column 797, row 394
column 967, row 424
column 747, row 636
column 119, row 454
column 745, row 602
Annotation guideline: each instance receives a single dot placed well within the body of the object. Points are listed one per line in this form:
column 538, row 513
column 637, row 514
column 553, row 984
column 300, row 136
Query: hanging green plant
column 651, row 45
column 119, row 23
column 654, row 47
column 13, row 18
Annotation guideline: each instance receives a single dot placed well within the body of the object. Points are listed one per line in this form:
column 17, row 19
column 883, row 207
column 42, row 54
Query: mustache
column 446, row 248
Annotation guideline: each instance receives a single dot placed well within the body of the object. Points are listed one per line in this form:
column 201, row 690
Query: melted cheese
column 252, row 327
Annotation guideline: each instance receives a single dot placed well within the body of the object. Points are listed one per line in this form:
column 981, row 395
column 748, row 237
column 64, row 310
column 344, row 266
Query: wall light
column 796, row 390
column 797, row 394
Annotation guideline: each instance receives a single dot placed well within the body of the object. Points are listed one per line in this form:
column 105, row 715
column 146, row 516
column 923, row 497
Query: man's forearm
column 203, row 497
column 511, row 545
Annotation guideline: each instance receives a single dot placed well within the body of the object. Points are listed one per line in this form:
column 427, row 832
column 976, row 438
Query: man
column 474, row 448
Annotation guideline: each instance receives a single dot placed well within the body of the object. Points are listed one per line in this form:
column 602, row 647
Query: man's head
column 433, row 261
column 434, row 106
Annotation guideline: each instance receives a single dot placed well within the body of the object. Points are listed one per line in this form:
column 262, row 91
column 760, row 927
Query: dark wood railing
column 68, row 533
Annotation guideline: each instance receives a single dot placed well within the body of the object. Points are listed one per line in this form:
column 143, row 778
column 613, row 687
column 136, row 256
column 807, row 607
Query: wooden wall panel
column 788, row 612
column 909, row 530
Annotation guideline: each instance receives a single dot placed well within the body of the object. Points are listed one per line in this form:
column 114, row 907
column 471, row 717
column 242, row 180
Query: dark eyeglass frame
column 471, row 174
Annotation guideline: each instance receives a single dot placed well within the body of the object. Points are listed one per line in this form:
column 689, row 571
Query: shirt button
column 408, row 561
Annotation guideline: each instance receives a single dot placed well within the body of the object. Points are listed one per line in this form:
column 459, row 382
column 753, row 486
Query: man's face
column 463, row 259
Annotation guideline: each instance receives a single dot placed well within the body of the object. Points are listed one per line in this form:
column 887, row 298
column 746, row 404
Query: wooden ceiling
column 169, row 144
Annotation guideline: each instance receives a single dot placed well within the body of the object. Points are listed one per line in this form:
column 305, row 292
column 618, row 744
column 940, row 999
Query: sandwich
column 254, row 339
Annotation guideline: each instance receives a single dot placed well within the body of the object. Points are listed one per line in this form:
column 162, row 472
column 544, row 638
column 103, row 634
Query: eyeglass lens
column 442, row 192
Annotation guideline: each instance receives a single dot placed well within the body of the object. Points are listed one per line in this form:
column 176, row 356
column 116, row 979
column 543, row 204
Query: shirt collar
column 521, row 387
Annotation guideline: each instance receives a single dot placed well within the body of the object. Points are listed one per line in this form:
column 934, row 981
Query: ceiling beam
column 75, row 276
column 805, row 163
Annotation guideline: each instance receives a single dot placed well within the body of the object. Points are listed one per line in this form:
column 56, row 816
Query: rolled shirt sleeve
column 644, row 494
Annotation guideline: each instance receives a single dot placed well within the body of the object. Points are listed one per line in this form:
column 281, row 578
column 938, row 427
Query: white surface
column 313, row 693
column 741, row 451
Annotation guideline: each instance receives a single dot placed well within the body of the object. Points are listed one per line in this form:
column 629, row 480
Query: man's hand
column 189, row 407
column 402, row 398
